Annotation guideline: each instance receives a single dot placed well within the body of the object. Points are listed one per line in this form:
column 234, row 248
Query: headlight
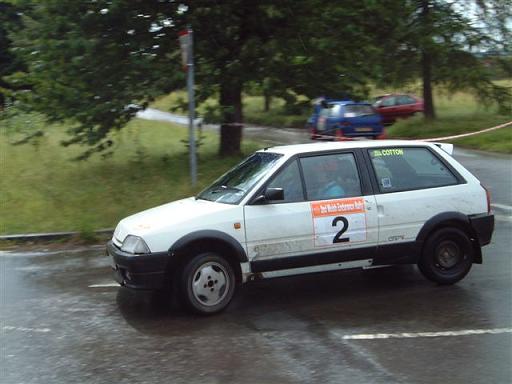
column 135, row 245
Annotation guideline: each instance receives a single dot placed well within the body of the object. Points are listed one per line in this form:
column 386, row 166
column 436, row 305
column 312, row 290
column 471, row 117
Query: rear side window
column 331, row 176
column 402, row 169
column 333, row 110
column 358, row 110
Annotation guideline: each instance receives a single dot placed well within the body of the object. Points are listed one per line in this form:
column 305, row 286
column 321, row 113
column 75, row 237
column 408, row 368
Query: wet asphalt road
column 60, row 325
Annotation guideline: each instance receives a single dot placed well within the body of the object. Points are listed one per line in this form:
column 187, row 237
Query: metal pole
column 191, row 109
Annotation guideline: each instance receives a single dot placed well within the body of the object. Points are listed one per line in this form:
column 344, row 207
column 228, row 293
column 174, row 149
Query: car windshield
column 356, row 110
column 231, row 187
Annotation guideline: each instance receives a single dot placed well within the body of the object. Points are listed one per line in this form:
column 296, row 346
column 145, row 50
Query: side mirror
column 270, row 194
column 274, row 194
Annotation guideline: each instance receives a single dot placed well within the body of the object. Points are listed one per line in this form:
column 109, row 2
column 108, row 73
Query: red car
column 396, row 106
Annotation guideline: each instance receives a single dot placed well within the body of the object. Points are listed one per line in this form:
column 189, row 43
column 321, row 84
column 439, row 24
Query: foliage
column 437, row 40
column 99, row 62
column 96, row 63
column 42, row 190
column 92, row 62
column 9, row 63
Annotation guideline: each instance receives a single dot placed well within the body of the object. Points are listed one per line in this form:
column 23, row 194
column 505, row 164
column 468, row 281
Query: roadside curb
column 50, row 236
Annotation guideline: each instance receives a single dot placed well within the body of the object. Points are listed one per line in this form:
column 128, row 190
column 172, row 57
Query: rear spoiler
column 448, row 148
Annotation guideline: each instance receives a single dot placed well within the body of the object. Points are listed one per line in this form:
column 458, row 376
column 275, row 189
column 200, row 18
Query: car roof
column 395, row 94
column 294, row 149
column 348, row 102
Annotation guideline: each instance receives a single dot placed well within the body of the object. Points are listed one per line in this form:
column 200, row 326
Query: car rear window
column 402, row 169
column 357, row 110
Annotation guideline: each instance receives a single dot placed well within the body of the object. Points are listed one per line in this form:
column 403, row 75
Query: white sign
column 184, row 39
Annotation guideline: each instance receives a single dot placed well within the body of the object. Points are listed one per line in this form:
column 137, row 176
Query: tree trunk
column 428, row 99
column 426, row 65
column 268, row 99
column 231, row 127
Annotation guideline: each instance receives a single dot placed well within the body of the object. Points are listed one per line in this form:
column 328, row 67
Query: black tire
column 447, row 256
column 207, row 283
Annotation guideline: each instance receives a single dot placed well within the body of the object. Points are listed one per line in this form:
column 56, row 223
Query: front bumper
column 483, row 225
column 147, row 271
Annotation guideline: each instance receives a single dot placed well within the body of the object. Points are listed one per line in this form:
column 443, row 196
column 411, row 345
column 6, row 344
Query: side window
column 289, row 179
column 402, row 169
column 335, row 110
column 409, row 100
column 331, row 176
column 388, row 101
column 404, row 100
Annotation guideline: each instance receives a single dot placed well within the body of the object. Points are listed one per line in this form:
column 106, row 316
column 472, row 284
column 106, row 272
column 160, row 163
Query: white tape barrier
column 323, row 137
column 469, row 134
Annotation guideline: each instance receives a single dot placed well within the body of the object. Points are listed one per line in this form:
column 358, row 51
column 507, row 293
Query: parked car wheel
column 207, row 283
column 447, row 256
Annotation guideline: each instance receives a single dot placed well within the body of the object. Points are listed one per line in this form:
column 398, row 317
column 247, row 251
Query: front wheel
column 207, row 283
column 447, row 256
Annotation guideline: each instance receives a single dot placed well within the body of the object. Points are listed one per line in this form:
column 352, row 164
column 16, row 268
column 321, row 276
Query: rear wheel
column 207, row 283
column 447, row 256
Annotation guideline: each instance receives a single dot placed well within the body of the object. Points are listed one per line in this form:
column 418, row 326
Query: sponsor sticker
column 339, row 222
column 388, row 152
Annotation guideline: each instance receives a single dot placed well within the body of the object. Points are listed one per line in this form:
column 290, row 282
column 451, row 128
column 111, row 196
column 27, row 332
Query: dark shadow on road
column 348, row 299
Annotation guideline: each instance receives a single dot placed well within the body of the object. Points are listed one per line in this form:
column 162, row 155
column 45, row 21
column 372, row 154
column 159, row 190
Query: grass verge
column 42, row 189
column 497, row 141
column 253, row 109
column 456, row 121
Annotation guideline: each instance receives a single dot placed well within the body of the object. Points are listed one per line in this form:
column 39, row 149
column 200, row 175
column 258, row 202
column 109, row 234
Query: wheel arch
column 209, row 241
column 450, row 219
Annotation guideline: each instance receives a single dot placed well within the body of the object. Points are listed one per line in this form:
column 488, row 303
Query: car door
column 279, row 228
column 388, row 108
column 328, row 216
column 405, row 106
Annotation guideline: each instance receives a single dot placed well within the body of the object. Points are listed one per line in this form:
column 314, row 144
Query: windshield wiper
column 224, row 188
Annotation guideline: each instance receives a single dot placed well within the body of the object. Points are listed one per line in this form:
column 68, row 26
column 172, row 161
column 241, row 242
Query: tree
column 9, row 63
column 99, row 62
column 437, row 41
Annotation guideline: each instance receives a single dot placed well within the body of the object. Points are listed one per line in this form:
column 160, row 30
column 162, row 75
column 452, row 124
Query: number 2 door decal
column 338, row 238
column 339, row 222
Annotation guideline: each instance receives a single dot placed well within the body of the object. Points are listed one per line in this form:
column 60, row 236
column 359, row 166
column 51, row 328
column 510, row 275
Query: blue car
column 318, row 104
column 339, row 120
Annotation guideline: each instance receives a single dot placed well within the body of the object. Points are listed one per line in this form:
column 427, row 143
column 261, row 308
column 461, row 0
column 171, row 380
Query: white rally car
column 310, row 208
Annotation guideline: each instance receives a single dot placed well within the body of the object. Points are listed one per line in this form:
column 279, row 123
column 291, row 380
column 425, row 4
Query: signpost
column 186, row 40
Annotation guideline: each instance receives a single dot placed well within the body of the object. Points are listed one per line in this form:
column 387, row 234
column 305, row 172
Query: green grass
column 42, row 189
column 495, row 141
column 458, row 114
column 277, row 116
column 253, row 109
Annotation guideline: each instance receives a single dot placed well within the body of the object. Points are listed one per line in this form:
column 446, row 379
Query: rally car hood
column 177, row 214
